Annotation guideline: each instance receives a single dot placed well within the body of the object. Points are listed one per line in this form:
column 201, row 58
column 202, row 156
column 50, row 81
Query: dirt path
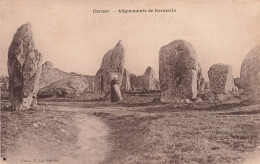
column 91, row 141
column 91, row 144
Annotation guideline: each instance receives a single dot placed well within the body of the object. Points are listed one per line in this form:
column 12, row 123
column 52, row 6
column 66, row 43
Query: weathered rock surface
column 178, row 71
column 250, row 71
column 24, row 68
column 69, row 87
column 53, row 82
column 147, row 81
column 4, row 85
column 112, row 64
column 4, row 82
column 221, row 78
column 207, row 85
column 136, row 82
column 237, row 82
column 200, row 80
column 126, row 81
column 50, row 74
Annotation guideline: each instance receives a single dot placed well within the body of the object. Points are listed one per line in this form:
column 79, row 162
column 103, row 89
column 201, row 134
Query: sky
column 75, row 39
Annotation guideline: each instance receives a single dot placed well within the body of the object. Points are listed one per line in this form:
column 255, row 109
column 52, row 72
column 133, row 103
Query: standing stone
column 136, row 82
column 5, row 83
column 112, row 64
column 178, row 71
column 157, row 84
column 146, row 82
column 200, row 80
column 149, row 79
column 250, row 71
column 24, row 68
column 126, row 81
column 237, row 82
column 221, row 78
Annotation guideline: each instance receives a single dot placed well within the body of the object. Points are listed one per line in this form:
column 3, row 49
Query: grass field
column 142, row 130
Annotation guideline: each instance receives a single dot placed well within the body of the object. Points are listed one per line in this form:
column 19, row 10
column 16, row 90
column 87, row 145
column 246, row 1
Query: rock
column 50, row 74
column 198, row 100
column 126, row 81
column 178, row 71
column 188, row 101
column 250, row 71
column 222, row 96
column 24, row 68
column 200, row 80
column 206, row 96
column 4, row 83
column 237, row 82
column 35, row 125
column 112, row 64
column 90, row 83
column 207, row 85
column 149, row 79
column 69, row 87
column 42, row 124
column 235, row 89
column 63, row 131
column 136, row 82
column 221, row 78
column 145, row 82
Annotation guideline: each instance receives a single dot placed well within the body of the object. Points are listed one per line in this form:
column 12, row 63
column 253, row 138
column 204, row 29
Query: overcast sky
column 75, row 39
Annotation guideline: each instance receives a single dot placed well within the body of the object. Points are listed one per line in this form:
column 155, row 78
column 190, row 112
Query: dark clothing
column 115, row 92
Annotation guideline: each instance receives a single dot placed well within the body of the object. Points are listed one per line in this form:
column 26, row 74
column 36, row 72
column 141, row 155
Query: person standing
column 115, row 91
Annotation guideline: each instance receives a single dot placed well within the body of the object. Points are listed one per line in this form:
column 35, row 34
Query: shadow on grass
column 252, row 112
column 204, row 106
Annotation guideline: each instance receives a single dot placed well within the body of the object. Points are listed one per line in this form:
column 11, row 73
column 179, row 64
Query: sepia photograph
column 130, row 82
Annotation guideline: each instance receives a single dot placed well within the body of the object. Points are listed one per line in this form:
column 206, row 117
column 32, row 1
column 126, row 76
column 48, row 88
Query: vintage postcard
column 120, row 82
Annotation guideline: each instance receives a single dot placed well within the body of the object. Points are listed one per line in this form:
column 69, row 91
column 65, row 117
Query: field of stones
column 48, row 115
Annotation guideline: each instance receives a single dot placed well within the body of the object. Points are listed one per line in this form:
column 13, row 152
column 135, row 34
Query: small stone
column 63, row 131
column 222, row 96
column 42, row 124
column 188, row 101
column 35, row 125
column 198, row 100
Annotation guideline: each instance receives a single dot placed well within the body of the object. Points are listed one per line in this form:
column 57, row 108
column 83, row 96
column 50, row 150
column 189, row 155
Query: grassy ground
column 142, row 130
column 37, row 134
column 176, row 136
